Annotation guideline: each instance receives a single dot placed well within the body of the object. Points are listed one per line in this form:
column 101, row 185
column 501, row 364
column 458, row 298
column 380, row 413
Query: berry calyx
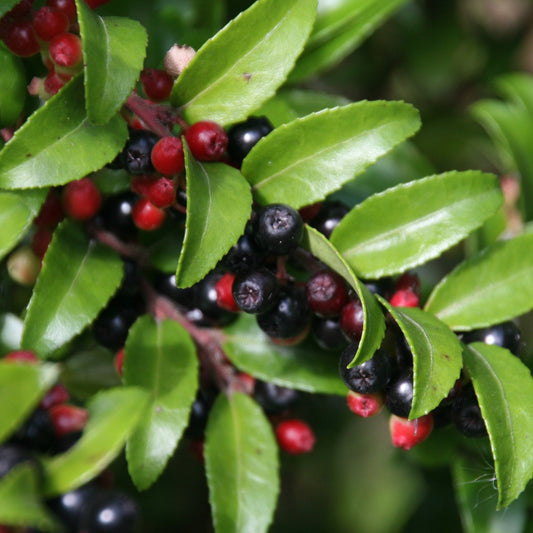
column 136, row 156
column 147, row 216
column 161, row 192
column 256, row 291
column 167, row 155
column 65, row 50
column 326, row 293
column 365, row 405
column 295, row 436
column 225, row 297
column 408, row 433
column 207, row 140
column 49, row 22
column 157, row 84
column 370, row 376
column 81, row 199
column 243, row 136
column 278, row 228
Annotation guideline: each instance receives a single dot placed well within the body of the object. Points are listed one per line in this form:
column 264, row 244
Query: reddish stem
column 158, row 118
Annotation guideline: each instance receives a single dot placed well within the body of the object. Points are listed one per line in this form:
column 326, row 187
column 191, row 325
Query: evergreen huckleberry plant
column 190, row 253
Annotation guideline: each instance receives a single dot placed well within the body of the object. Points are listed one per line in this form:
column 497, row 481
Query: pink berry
column 49, row 22
column 157, row 84
column 295, row 436
column 65, row 50
column 147, row 216
column 365, row 405
column 81, row 199
column 161, row 192
column 68, row 418
column 207, row 140
column 407, row 433
column 167, row 156
column 225, row 297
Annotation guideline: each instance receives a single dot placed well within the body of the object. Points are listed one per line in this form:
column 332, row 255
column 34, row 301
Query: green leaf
column 21, row 388
column 12, row 88
column 304, row 366
column 244, row 63
column 504, row 388
column 351, row 138
column 113, row 415
column 77, row 279
column 242, row 466
column 491, row 287
column 340, row 27
column 6, row 5
column 113, row 54
column 374, row 322
column 411, row 223
column 215, row 220
column 20, row 502
column 437, row 356
column 161, row 358
column 110, row 182
column 58, row 143
column 17, row 211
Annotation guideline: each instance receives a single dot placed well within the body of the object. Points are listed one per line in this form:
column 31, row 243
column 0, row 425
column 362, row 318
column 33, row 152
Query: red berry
column 21, row 39
column 141, row 184
column 53, row 83
column 57, row 395
column 196, row 448
column 157, row 84
column 161, row 192
column 65, row 50
column 49, row 22
column 119, row 361
column 310, row 211
column 326, row 293
column 93, row 4
column 224, row 287
column 365, row 405
column 51, row 212
column 295, row 436
column 352, row 320
column 146, row 215
column 408, row 433
column 167, row 156
column 207, row 140
column 68, row 418
column 41, row 240
column 408, row 281
column 404, row 298
column 68, row 7
column 21, row 356
column 81, row 199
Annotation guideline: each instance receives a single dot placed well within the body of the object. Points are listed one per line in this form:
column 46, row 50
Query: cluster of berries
column 53, row 428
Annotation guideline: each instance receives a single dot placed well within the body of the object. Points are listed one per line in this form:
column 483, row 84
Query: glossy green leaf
column 351, row 139
column 374, row 322
column 58, row 143
column 113, row 54
column 437, row 356
column 12, row 88
column 244, row 63
column 492, row 287
column 340, row 27
column 160, row 357
column 17, row 210
column 20, row 502
column 504, row 388
column 21, row 388
column 409, row 224
column 304, row 366
column 77, row 279
column 242, row 466
column 214, row 219
column 113, row 415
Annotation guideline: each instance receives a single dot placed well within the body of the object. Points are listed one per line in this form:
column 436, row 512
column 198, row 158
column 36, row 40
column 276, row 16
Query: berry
column 49, row 22
column 136, row 156
column 507, row 335
column 408, row 433
column 243, row 136
column 365, row 405
column 329, row 217
column 51, row 212
column 326, row 293
column 65, row 50
column 207, row 140
column 141, row 184
column 165, row 284
column 57, row 395
column 53, row 83
column 161, row 193
column 206, row 300
column 167, row 156
column 384, row 286
column 12, row 455
column 404, row 298
column 278, row 228
column 225, row 297
column 399, row 394
column 68, row 418
column 157, row 84
column 109, row 512
column 37, row 432
column 289, row 317
column 21, row 39
column 119, row 361
column 68, row 506
column 310, row 211
column 466, row 414
column 295, row 436
column 370, row 376
column 327, row 333
column 256, row 291
column 243, row 256
column 274, row 399
column 117, row 215
column 352, row 320
column 68, row 7
column 81, row 199
column 146, row 215
column 93, row 4
column 200, row 413
column 21, row 356
column 23, row 266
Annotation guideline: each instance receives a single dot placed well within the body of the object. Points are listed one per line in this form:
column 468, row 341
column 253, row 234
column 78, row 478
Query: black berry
column 116, row 215
column 68, row 506
column 274, row 399
column 12, row 455
column 370, row 376
column 136, row 156
column 330, row 215
column 327, row 333
column 206, row 300
column 399, row 394
column 466, row 414
column 243, row 256
column 279, row 228
column 507, row 335
column 165, row 284
column 37, row 432
column 256, row 291
column 243, row 136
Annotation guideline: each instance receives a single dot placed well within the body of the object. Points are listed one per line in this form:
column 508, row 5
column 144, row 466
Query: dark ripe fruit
column 289, row 317
column 81, row 199
column 243, row 256
column 12, row 455
column 37, row 432
column 157, row 84
column 408, row 433
column 243, row 136
column 207, row 140
column 295, row 436
column 68, row 506
column 165, row 284
column 41, row 240
column 136, row 156
column 330, row 215
column 132, row 278
column 109, row 512
column 507, row 335
column 466, row 413
column 167, row 155
column 365, row 405
column 352, row 320
column 146, row 216
column 200, row 413
column 384, row 286
column 370, row 376
column 442, row 415
column 21, row 39
column 399, row 394
column 206, row 300
column 274, row 399
column 404, row 356
column 326, row 293
column 256, row 291
column 327, row 333
column 51, row 212
column 278, row 228
column 49, row 22
column 117, row 215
